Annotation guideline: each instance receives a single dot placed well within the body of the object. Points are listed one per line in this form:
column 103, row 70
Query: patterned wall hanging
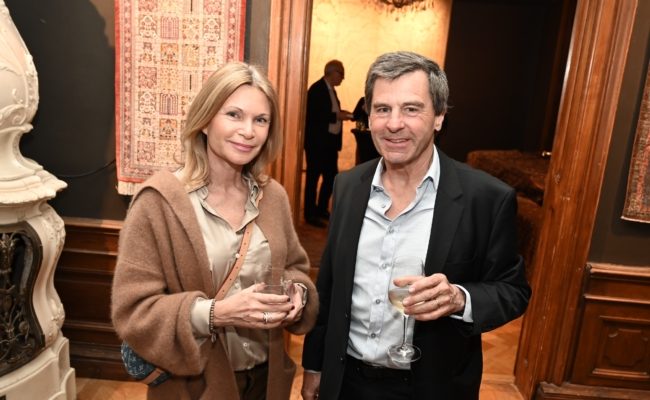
column 164, row 51
column 637, row 198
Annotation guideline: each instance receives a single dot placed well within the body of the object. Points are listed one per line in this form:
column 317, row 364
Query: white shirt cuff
column 200, row 317
column 467, row 313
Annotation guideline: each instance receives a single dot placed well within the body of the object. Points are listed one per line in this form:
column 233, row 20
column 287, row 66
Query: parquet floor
column 499, row 352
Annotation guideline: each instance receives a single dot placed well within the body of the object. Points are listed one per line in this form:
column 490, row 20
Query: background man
column 323, row 140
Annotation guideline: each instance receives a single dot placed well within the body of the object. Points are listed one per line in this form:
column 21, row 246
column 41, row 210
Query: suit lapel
column 354, row 215
column 446, row 215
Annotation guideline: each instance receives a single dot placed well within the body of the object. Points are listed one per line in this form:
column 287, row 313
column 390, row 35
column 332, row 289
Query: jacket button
column 347, row 316
column 341, row 359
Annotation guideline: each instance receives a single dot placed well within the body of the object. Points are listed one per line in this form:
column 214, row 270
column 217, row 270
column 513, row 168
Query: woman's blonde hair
column 214, row 93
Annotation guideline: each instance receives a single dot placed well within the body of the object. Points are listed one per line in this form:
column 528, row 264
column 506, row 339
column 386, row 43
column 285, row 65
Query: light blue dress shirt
column 375, row 323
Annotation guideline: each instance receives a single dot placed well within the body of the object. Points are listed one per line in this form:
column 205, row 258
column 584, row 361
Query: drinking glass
column 403, row 352
column 273, row 279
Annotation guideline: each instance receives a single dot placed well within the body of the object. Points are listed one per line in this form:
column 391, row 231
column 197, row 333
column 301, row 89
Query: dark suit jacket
column 319, row 116
column 473, row 242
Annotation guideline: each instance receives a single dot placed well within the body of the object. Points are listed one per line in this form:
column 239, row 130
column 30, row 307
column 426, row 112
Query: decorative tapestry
column 637, row 199
column 165, row 49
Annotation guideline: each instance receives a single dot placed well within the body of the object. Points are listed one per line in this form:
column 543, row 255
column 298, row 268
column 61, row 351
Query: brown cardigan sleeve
column 150, row 301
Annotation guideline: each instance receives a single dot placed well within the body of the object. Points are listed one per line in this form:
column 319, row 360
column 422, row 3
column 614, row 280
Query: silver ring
column 265, row 315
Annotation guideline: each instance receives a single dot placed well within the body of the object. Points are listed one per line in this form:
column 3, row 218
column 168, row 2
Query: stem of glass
column 405, row 319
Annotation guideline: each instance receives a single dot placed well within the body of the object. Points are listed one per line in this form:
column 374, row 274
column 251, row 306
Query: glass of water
column 273, row 279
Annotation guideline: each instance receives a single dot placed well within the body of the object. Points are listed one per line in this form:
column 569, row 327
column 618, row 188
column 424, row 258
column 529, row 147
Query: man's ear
column 437, row 122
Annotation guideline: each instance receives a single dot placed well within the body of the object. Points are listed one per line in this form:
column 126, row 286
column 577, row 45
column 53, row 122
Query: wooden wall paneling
column 83, row 279
column 287, row 69
column 594, row 73
column 613, row 347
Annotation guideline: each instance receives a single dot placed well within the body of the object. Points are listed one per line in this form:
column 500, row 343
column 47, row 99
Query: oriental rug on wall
column 637, row 199
column 165, row 49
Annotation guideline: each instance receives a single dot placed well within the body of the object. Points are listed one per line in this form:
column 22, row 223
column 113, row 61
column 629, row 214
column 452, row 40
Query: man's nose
column 395, row 121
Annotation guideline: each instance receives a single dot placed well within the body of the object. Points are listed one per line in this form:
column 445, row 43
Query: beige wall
column 356, row 32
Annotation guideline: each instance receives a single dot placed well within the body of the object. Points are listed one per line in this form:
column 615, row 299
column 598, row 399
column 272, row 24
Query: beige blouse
column 245, row 347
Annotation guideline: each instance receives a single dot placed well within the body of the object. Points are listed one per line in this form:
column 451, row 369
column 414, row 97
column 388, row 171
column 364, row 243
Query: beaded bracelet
column 211, row 328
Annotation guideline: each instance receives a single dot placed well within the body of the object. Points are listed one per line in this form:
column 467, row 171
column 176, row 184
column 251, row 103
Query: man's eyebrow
column 405, row 104
column 413, row 103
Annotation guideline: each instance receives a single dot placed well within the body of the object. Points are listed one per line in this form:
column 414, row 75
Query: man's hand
column 310, row 385
column 432, row 297
column 344, row 115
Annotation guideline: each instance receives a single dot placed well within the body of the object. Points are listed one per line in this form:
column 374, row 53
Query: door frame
column 289, row 33
column 590, row 96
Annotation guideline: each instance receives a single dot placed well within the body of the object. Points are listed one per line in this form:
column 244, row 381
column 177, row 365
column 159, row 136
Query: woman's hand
column 296, row 293
column 251, row 309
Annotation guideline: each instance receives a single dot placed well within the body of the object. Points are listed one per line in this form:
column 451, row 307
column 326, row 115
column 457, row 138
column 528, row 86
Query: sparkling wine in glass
column 403, row 352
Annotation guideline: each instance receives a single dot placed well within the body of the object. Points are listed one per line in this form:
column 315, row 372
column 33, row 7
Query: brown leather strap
column 241, row 255
column 152, row 376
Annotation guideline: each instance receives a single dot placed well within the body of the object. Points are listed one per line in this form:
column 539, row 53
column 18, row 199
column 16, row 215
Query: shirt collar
column 329, row 87
column 433, row 173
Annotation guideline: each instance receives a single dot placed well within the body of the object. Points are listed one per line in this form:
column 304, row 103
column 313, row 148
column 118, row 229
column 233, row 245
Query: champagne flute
column 403, row 352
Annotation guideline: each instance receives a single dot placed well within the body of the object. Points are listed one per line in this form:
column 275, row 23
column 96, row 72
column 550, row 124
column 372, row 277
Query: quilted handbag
column 140, row 369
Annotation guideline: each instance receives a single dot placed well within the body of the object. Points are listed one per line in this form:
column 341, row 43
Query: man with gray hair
column 414, row 201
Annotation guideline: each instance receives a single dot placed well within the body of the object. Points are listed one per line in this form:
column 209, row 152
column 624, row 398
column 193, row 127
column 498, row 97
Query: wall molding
column 567, row 391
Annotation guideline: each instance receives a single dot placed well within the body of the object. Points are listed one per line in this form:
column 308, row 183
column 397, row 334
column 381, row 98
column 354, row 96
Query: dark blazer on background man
column 473, row 242
column 318, row 118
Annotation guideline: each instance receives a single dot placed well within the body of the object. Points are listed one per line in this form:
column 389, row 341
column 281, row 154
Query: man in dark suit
column 414, row 201
column 323, row 140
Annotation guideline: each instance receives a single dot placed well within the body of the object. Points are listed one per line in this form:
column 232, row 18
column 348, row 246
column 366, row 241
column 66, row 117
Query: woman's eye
column 232, row 114
column 263, row 120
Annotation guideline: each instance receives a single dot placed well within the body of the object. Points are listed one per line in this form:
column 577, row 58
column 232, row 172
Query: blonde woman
column 178, row 245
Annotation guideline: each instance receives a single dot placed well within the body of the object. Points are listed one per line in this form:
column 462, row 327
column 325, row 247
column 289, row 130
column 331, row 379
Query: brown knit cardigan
column 162, row 267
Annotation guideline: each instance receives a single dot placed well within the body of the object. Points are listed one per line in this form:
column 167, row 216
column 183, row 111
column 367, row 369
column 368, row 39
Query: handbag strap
column 240, row 256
